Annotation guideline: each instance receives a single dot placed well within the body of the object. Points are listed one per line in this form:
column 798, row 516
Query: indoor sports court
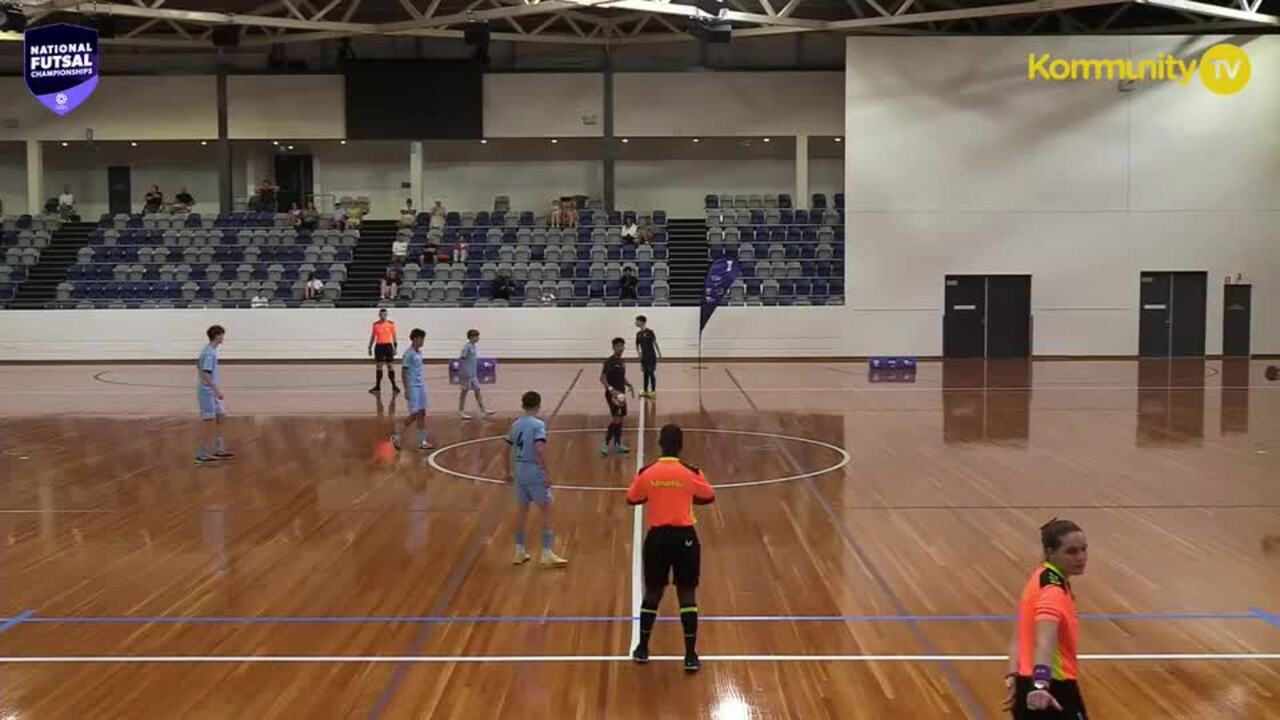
column 629, row 359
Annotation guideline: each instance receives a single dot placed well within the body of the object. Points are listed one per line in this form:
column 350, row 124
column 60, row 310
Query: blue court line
column 16, row 620
column 1261, row 614
column 1253, row 614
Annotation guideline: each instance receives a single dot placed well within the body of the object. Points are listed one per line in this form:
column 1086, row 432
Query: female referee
column 1042, row 677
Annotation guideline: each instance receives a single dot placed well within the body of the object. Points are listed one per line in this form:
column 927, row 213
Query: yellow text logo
column 1224, row 69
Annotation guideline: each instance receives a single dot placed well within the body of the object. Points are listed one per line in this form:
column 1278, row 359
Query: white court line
column 637, row 541
column 476, row 659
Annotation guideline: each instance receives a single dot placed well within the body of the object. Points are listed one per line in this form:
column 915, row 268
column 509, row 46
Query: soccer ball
column 619, row 398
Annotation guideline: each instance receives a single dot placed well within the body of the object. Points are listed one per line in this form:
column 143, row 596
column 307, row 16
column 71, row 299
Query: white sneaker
column 551, row 560
column 521, row 557
column 490, row 413
column 464, row 416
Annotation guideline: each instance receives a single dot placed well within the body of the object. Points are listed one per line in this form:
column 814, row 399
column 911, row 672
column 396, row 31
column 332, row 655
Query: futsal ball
column 548, row 298
column 1273, row 373
column 620, row 398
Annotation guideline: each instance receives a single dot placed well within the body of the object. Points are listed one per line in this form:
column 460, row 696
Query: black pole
column 608, row 150
column 226, row 199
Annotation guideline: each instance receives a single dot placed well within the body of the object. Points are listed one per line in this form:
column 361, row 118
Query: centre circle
column 843, row 458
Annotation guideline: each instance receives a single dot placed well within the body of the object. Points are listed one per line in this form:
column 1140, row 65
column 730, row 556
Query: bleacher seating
column 163, row 261
column 788, row 256
column 22, row 238
column 579, row 267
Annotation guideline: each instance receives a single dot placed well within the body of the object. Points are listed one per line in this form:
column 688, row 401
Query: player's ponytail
column 1052, row 532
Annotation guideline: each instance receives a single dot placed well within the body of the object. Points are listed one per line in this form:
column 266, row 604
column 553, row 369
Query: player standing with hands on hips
column 1043, row 666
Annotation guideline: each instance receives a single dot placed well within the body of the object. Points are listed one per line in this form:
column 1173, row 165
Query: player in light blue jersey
column 209, row 396
column 415, row 388
column 469, row 375
column 527, row 469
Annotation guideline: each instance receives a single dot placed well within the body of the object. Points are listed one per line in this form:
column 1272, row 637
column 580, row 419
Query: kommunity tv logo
column 1223, row 69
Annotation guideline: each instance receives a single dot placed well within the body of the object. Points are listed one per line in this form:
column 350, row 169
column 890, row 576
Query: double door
column 987, row 316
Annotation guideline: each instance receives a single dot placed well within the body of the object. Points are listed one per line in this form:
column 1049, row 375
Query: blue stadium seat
column 819, row 201
column 711, row 202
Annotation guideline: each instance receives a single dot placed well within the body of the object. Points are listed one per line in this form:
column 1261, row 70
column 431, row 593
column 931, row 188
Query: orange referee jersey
column 1047, row 596
column 671, row 488
column 384, row 332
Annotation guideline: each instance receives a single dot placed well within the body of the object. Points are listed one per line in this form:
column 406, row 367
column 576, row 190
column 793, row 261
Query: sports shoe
column 521, row 556
column 691, row 663
column 552, row 560
column 604, row 451
column 640, row 655
column 375, row 390
column 395, row 390
column 224, row 455
column 490, row 413
column 464, row 416
column 395, row 441
column 426, row 446
column 621, row 449
column 205, row 460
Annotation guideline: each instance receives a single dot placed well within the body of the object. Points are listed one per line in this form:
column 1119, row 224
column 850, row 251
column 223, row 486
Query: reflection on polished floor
column 862, row 567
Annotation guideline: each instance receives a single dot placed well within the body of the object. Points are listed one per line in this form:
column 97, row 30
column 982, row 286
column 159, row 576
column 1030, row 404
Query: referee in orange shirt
column 382, row 346
column 671, row 487
column 1043, row 666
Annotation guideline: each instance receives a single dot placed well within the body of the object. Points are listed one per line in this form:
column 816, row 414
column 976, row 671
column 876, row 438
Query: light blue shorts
column 417, row 399
column 531, row 486
column 210, row 406
column 469, row 383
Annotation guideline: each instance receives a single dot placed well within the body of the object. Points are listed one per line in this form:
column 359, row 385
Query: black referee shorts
column 384, row 353
column 1066, row 692
column 671, row 551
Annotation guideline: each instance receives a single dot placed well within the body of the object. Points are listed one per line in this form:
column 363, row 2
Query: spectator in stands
column 153, row 201
column 183, row 201
column 295, row 215
column 557, row 214
column 314, row 286
column 430, row 252
column 569, row 214
column 630, row 231
column 400, row 248
column 460, row 249
column 310, row 217
column 267, row 195
column 392, row 280
column 438, row 215
column 630, row 284
column 259, row 300
column 502, row 286
column 66, row 203
column 355, row 215
column 340, row 217
column 408, row 214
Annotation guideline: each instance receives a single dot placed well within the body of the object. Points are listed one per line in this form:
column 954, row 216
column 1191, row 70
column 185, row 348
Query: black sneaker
column 375, row 390
column 224, row 455
column 395, row 390
column 691, row 663
column 640, row 655
column 205, row 460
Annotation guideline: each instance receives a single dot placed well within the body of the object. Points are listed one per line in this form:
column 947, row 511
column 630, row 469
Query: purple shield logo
column 61, row 65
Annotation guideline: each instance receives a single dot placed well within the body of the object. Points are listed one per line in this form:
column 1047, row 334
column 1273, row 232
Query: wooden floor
column 321, row 575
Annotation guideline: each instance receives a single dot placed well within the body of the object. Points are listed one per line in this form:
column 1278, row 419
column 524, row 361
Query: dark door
column 119, row 190
column 1154, row 314
column 963, row 331
column 1009, row 316
column 1188, row 302
column 293, row 175
column 1236, row 310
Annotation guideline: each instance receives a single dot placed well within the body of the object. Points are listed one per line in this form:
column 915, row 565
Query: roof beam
column 1218, row 11
column 217, row 18
column 1034, row 7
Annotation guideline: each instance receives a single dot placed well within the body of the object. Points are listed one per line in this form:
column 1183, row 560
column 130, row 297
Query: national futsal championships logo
column 61, row 66
column 1224, row 69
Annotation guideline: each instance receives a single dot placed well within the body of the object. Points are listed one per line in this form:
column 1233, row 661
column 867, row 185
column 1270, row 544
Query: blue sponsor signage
column 61, row 65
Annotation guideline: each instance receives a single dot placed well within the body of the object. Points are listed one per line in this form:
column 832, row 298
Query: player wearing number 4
column 613, row 376
column 527, row 469
column 415, row 384
column 469, row 375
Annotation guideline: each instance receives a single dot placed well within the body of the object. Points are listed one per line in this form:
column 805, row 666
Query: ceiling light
column 484, row 142
column 342, row 142
column 65, row 144
column 624, row 140
column 275, row 142
column 767, row 140
column 290, row 147
column 133, row 144
column 696, row 140
column 839, row 139
column 554, row 141
column 203, row 143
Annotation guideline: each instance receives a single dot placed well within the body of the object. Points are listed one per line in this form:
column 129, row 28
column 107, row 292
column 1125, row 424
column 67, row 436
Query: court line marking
column 1261, row 614
column 1253, row 615
column 844, row 459
column 16, row 620
column 637, row 541
column 420, row 659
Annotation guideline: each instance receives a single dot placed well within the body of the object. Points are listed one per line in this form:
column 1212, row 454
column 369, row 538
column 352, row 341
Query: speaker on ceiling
column 225, row 36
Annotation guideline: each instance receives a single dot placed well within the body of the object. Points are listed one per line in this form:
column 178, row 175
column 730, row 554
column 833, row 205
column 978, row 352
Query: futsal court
column 862, row 561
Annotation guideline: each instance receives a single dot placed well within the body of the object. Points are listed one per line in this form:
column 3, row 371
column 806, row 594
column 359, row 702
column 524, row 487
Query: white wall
column 13, row 177
column 959, row 164
column 679, row 186
column 530, row 185
column 122, row 108
column 286, row 107
column 543, row 105
column 169, row 165
column 728, row 103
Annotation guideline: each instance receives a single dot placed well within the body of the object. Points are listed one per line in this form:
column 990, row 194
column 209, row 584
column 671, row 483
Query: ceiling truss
column 161, row 24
